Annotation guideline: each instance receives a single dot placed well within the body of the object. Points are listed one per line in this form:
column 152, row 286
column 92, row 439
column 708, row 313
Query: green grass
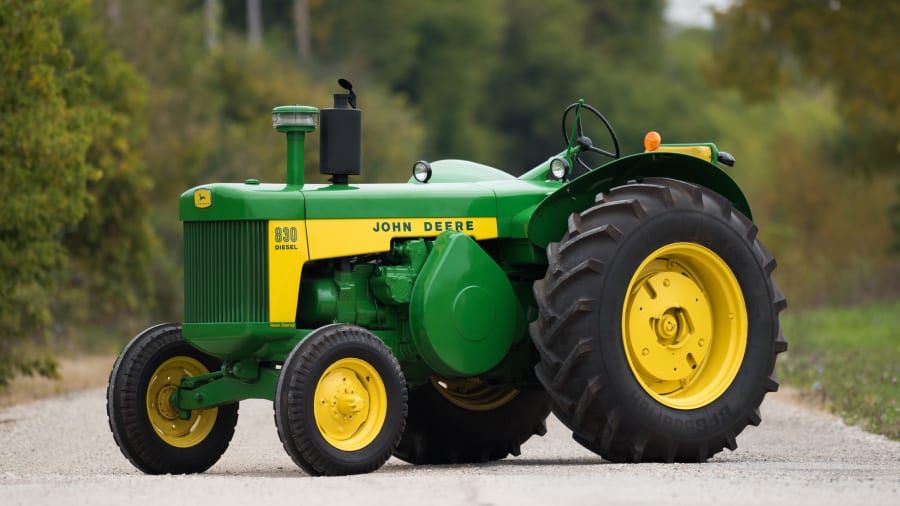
column 848, row 360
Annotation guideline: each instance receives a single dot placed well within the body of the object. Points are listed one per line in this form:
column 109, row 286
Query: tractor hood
column 398, row 201
column 457, row 189
column 241, row 201
column 254, row 201
column 345, row 220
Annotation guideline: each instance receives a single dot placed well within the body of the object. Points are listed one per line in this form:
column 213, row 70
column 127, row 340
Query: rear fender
column 548, row 222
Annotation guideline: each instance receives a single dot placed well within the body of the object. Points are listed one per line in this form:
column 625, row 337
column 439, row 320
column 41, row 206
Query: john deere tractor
column 442, row 319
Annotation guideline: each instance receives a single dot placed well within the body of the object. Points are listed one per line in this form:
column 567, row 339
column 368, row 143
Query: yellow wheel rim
column 350, row 404
column 684, row 325
column 472, row 393
column 164, row 417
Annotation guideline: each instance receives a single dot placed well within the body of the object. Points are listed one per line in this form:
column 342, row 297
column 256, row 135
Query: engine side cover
column 462, row 309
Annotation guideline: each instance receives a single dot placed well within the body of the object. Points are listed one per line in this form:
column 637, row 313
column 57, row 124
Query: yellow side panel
column 288, row 251
column 704, row 152
column 343, row 237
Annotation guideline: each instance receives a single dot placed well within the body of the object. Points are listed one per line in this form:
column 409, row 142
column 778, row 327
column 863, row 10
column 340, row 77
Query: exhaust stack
column 340, row 146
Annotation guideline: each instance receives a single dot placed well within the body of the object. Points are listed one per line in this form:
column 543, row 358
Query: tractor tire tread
column 579, row 261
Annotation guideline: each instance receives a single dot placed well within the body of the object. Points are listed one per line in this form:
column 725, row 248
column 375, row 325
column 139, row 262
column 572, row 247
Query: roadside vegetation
column 848, row 361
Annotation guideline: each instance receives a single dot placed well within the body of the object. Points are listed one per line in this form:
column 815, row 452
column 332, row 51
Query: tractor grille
column 225, row 272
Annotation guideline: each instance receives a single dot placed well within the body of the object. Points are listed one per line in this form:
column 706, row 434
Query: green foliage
column 489, row 79
column 620, row 32
column 75, row 244
column 535, row 81
column 847, row 46
column 836, row 43
column 179, row 135
column 438, row 54
column 828, row 229
column 43, row 174
column 111, row 247
column 849, row 360
column 13, row 365
column 894, row 217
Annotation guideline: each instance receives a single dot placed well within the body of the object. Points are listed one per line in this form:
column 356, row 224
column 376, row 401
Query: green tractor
column 442, row 319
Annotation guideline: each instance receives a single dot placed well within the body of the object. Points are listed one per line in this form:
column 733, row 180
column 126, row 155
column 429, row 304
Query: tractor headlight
column 422, row 171
column 559, row 168
column 295, row 117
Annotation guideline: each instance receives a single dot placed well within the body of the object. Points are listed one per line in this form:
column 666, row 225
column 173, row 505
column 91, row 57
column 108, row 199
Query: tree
column 54, row 131
column 439, row 55
column 301, row 29
column 851, row 47
column 556, row 51
column 625, row 32
column 181, row 116
column 536, row 76
column 211, row 22
column 254, row 23
column 111, row 247
column 490, row 77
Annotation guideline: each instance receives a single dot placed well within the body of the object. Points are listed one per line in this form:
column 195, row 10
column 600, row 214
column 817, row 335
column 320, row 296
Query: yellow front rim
column 472, row 393
column 350, row 404
column 164, row 417
column 684, row 325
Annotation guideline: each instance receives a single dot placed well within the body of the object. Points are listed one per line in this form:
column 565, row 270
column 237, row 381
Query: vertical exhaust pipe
column 340, row 145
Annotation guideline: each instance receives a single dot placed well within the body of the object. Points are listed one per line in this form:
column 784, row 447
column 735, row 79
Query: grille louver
column 225, row 272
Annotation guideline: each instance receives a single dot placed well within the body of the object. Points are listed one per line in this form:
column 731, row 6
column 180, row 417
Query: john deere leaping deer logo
column 202, row 198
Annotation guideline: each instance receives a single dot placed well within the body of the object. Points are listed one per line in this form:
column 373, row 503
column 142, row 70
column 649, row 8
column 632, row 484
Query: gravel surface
column 60, row 451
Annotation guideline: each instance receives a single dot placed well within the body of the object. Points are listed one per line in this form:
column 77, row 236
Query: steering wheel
column 583, row 141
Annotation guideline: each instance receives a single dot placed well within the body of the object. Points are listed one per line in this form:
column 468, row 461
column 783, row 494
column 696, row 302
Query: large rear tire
column 455, row 421
column 145, row 425
column 658, row 324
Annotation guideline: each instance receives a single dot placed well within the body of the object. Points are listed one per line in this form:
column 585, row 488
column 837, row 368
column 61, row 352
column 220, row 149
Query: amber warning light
column 652, row 141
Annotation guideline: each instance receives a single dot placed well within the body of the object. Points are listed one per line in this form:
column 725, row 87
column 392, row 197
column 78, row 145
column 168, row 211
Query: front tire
column 145, row 425
column 658, row 324
column 340, row 402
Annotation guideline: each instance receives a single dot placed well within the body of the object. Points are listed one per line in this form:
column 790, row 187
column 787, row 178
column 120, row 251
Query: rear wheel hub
column 683, row 341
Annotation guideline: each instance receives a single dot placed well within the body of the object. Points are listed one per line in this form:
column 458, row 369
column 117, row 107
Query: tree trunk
column 114, row 12
column 301, row 29
column 211, row 13
column 254, row 22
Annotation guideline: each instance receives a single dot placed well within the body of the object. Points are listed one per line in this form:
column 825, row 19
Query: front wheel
column 658, row 324
column 148, row 429
column 340, row 402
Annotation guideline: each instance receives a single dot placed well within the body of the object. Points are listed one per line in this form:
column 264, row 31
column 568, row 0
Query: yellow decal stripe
column 287, row 251
column 344, row 237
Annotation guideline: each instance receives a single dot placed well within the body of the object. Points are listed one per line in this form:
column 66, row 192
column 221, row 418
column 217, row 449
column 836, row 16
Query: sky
column 694, row 12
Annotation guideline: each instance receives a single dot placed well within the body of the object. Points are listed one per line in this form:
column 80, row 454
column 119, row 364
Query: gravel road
column 60, row 451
